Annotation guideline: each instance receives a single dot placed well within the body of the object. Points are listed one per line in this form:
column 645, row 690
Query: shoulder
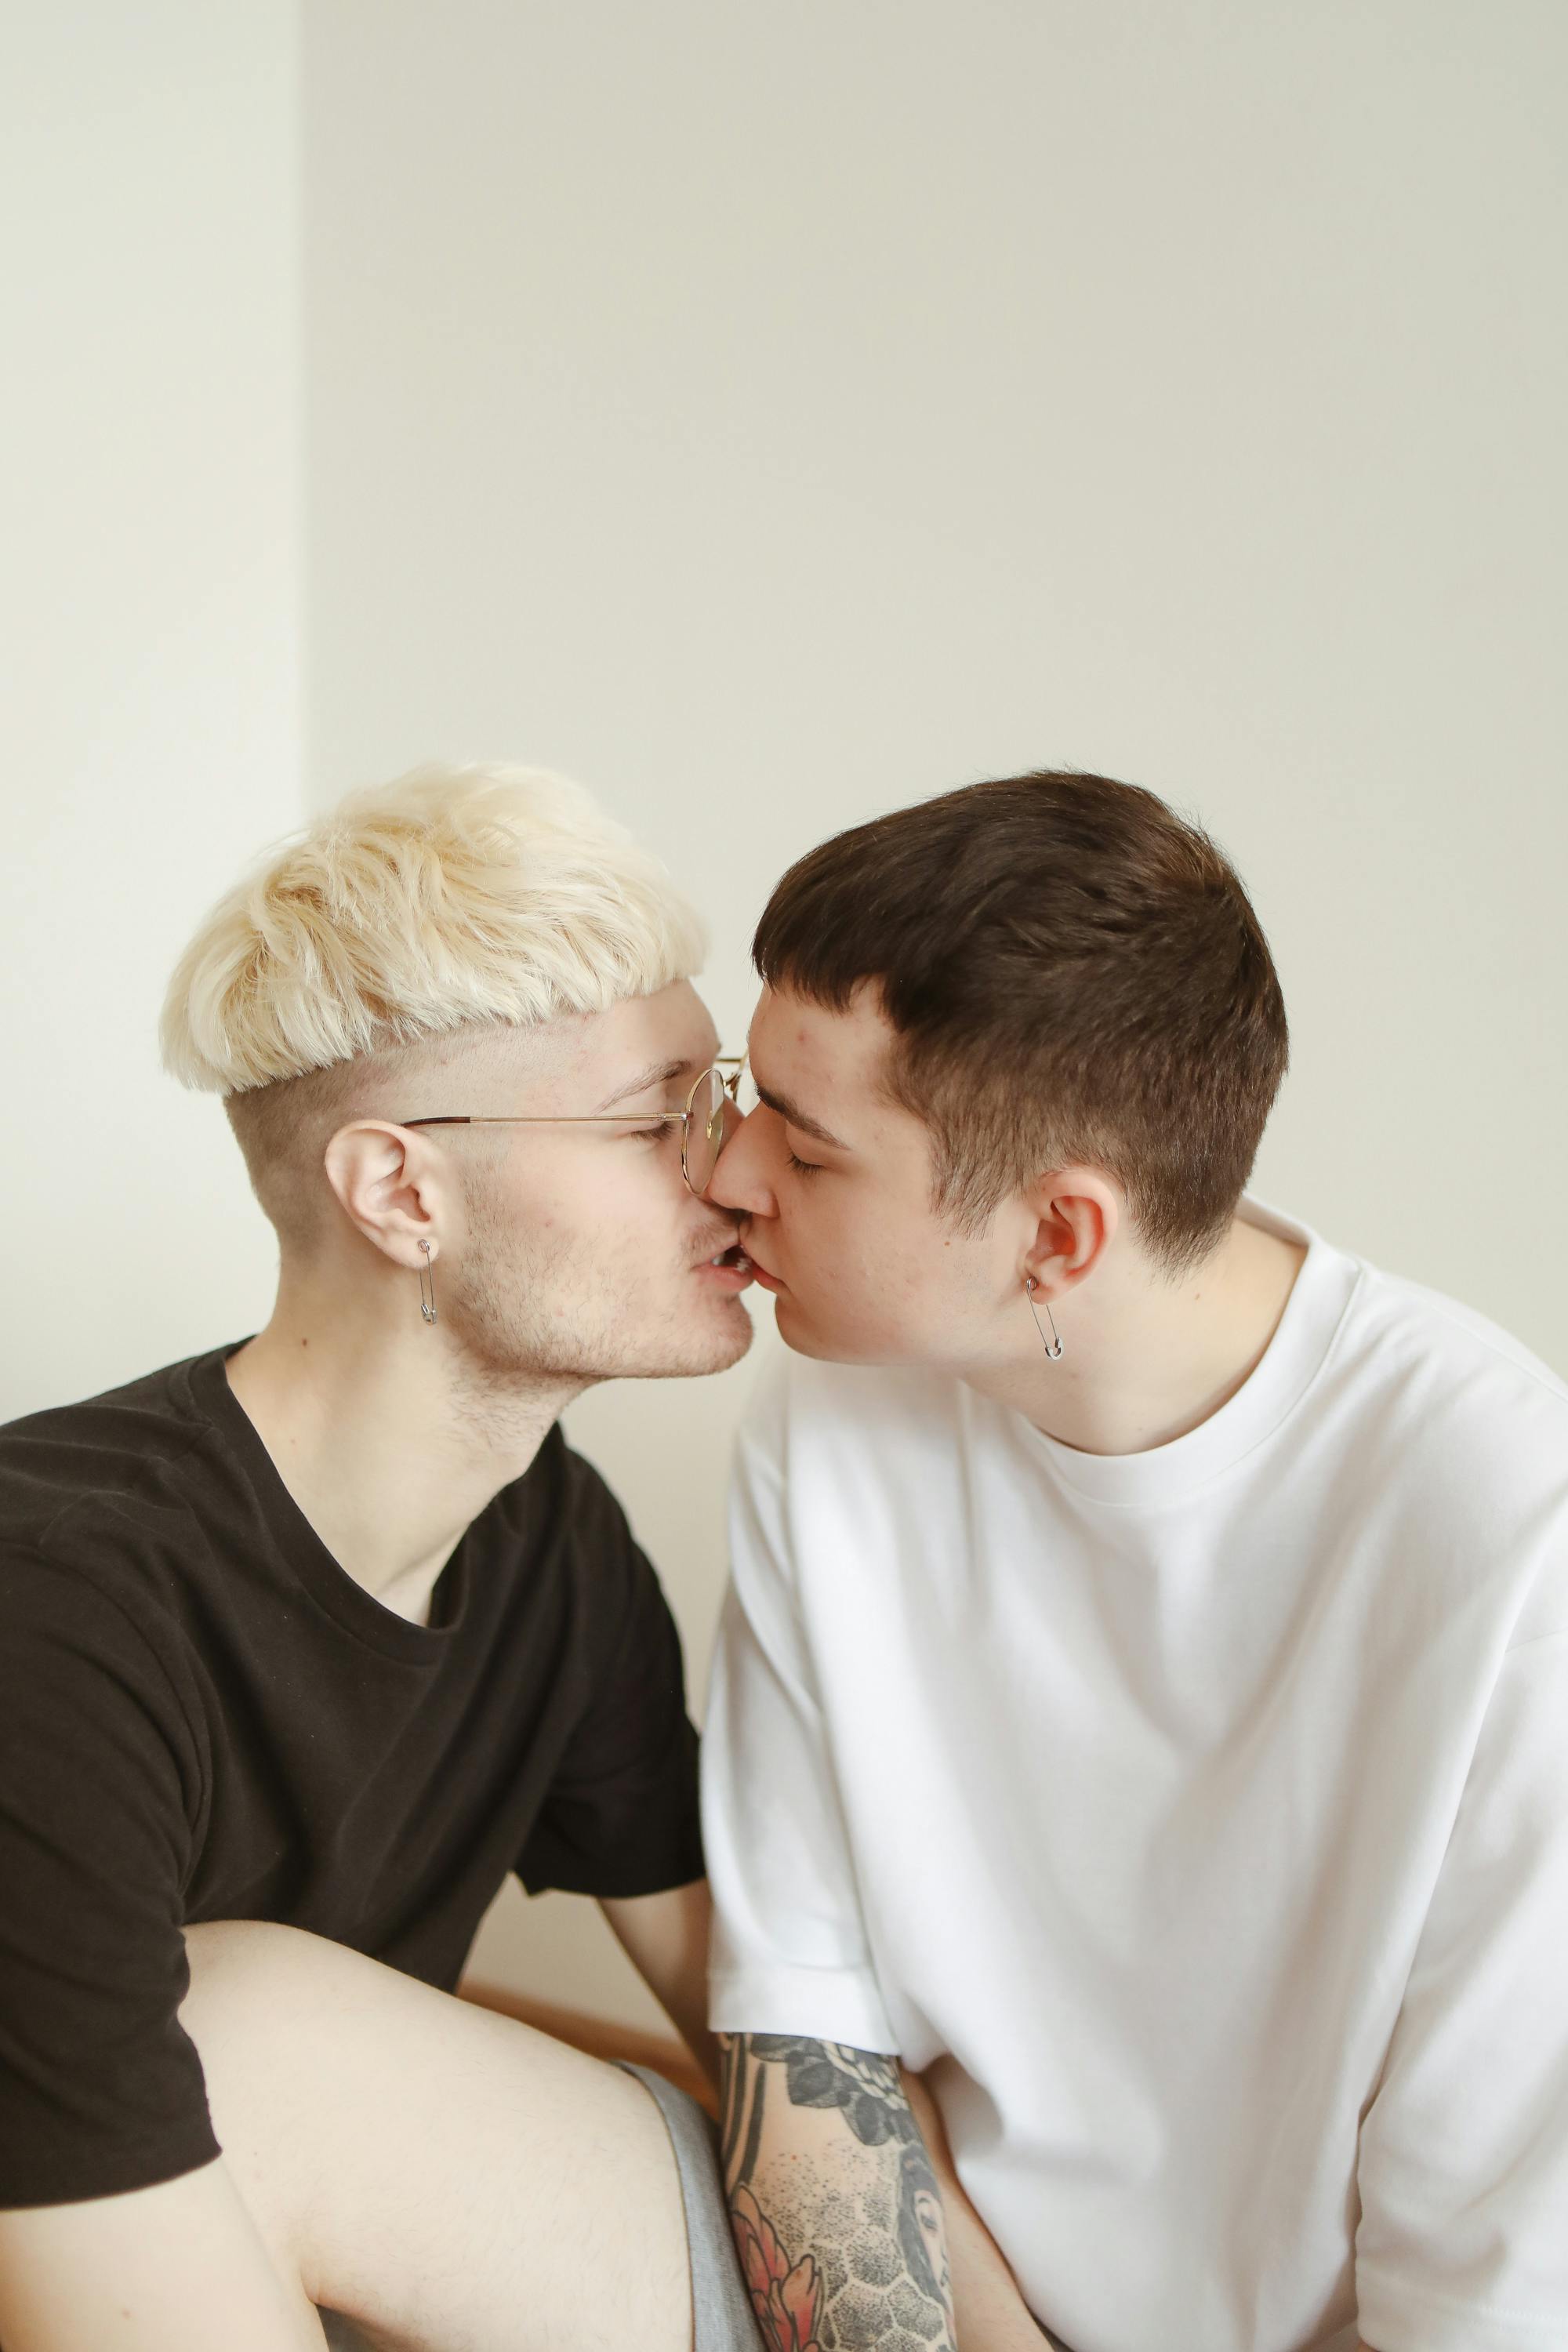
column 1470, row 1430
column 579, row 1524
column 838, row 1463
column 86, row 1673
column 1463, row 1391
column 803, row 1410
column 101, row 1456
column 103, row 1522
column 586, row 1504
column 560, row 1498
column 1459, row 1345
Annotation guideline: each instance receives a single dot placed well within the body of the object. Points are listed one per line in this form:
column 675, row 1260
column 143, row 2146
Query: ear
column 394, row 1188
column 1078, row 1212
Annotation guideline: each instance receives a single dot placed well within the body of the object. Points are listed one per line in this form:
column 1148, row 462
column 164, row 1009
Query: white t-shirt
column 1202, row 1812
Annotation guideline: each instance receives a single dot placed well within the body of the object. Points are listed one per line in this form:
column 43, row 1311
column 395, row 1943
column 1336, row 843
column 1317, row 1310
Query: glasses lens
column 704, row 1126
column 711, row 1117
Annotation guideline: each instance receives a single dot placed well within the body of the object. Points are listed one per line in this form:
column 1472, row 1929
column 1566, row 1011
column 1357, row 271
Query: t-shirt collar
column 307, row 1557
column 1302, row 1341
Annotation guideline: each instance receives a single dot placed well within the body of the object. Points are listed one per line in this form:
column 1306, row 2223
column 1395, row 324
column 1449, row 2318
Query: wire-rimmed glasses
column 712, row 1113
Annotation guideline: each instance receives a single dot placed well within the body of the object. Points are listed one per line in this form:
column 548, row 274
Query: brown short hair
column 1074, row 972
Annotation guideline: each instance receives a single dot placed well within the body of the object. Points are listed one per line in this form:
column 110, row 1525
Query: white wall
column 774, row 417
column 149, row 641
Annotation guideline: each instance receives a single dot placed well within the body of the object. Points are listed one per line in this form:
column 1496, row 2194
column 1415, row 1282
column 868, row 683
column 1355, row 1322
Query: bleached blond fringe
column 451, row 896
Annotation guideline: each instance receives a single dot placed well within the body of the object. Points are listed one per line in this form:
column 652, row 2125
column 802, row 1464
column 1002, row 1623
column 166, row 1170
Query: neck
column 1147, row 1360
column 386, row 1439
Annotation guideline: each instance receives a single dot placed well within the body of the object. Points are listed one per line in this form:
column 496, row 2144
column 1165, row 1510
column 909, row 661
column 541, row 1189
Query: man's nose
column 738, row 1183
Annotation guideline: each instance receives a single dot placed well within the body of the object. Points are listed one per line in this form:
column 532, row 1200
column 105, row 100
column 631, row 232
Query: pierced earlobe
column 427, row 1287
column 1053, row 1346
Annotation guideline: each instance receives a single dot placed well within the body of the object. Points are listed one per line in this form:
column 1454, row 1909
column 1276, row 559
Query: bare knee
column 234, row 1953
column 270, row 2008
column 252, row 1976
column 399, row 2149
column 260, row 1996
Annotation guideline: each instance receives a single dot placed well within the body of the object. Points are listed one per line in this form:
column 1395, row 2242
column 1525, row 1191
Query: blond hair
column 450, row 899
column 411, row 909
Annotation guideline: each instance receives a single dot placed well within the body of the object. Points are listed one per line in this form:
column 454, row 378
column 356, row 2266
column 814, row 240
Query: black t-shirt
column 202, row 1717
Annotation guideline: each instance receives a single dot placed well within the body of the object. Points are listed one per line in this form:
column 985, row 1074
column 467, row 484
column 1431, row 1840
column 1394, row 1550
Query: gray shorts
column 722, row 2320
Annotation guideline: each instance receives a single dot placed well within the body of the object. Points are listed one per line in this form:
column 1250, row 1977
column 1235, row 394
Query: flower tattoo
column 831, row 2074
column 786, row 2298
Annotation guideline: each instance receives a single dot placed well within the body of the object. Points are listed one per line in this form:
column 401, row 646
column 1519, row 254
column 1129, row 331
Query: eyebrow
column 793, row 1113
column 658, row 1073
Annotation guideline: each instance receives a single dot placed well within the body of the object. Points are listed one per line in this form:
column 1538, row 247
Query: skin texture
column 666, row 1937
column 562, row 1251
column 560, row 1255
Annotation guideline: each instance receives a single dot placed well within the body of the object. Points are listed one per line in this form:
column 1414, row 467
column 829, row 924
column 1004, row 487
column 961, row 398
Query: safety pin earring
column 1053, row 1346
column 427, row 1287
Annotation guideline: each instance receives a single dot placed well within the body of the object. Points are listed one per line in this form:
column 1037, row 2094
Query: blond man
column 307, row 1642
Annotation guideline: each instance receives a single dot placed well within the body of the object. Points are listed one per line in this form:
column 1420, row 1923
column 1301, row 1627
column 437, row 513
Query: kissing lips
column 730, row 1271
column 761, row 1275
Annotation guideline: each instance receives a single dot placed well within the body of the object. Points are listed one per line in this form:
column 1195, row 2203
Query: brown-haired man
column 1142, row 1701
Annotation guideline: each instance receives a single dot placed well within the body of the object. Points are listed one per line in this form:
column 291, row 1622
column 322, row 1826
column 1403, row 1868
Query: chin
column 843, row 1345
column 796, row 1331
column 712, row 1350
column 729, row 1345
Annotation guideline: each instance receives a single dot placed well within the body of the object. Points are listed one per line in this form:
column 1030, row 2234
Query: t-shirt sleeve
column 621, row 1814
column 1463, row 2242
column 100, row 2088
column 790, row 1952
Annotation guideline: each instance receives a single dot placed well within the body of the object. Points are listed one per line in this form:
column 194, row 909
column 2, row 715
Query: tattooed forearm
column 837, row 2213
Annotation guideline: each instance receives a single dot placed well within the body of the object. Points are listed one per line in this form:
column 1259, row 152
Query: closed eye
column 803, row 1167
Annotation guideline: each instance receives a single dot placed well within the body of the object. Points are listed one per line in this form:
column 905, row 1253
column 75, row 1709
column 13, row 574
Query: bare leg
column 450, row 2179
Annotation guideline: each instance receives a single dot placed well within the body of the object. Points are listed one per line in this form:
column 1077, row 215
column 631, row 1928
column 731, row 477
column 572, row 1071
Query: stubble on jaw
column 533, row 1309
